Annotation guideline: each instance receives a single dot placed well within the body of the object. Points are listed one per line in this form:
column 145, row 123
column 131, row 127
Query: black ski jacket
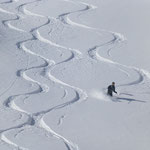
column 111, row 89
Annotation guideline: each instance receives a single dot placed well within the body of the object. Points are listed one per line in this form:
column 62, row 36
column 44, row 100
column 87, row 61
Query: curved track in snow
column 36, row 119
column 117, row 38
column 95, row 54
column 10, row 102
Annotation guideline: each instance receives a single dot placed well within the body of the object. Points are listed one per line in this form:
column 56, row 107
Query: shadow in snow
column 130, row 99
column 126, row 94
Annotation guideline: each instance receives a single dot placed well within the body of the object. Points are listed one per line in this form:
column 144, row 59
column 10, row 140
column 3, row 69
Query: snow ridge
column 22, row 9
column 5, row 139
column 94, row 51
column 8, row 24
column 65, row 16
column 5, row 11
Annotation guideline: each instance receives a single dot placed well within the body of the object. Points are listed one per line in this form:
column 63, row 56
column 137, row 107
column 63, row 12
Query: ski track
column 10, row 102
column 117, row 37
column 22, row 9
column 11, row 1
column 8, row 24
column 37, row 119
column 9, row 87
column 6, row 12
column 94, row 54
column 65, row 16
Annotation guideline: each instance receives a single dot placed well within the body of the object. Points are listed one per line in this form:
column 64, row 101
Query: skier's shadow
column 129, row 99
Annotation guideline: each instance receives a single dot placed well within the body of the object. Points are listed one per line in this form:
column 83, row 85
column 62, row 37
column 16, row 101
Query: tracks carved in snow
column 94, row 51
column 10, row 102
column 37, row 119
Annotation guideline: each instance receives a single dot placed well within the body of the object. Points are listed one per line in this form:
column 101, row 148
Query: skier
column 111, row 89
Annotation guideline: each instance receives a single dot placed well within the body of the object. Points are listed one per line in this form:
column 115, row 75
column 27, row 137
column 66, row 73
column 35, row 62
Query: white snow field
column 57, row 58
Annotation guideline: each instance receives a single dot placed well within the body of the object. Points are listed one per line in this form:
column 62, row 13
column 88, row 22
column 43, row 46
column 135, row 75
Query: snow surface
column 57, row 59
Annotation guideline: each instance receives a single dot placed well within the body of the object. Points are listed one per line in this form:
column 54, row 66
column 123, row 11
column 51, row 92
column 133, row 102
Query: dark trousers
column 109, row 93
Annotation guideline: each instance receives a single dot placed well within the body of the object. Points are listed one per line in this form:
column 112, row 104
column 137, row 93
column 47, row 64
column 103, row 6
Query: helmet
column 113, row 83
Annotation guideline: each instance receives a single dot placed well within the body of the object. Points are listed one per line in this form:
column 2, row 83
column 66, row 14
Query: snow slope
column 57, row 59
